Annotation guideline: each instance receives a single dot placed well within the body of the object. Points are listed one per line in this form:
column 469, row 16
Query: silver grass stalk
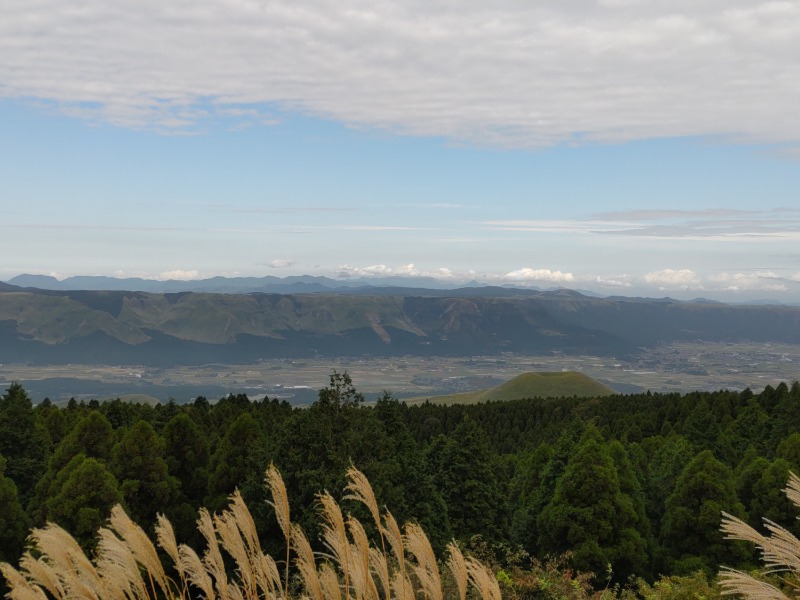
column 43, row 574
column 165, row 536
column 306, row 564
column 76, row 572
column 426, row 569
column 458, row 567
column 212, row 558
column 141, row 547
column 334, row 536
column 483, row 579
column 380, row 566
column 233, row 543
column 402, row 586
column 118, row 568
column 391, row 531
column 780, row 551
column 735, row 582
column 196, row 572
column 329, row 581
column 15, row 579
column 280, row 502
column 245, row 522
column 360, row 551
column 359, row 489
column 792, row 489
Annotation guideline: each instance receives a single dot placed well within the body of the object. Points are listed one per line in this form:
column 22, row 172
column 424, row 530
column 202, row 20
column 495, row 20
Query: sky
column 627, row 147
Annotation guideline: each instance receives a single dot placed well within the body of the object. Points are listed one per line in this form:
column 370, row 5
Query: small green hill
column 135, row 399
column 530, row 385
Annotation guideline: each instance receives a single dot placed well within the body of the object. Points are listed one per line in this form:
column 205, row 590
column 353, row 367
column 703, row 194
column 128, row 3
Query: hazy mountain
column 121, row 327
column 231, row 285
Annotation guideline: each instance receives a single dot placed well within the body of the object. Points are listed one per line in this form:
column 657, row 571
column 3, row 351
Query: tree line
column 627, row 485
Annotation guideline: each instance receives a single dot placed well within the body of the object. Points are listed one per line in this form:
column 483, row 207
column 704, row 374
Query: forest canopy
column 626, row 487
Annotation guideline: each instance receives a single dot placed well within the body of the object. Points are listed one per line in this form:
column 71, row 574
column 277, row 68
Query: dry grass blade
column 329, row 581
column 426, row 569
column 360, row 553
column 165, row 536
column 43, row 574
column 380, row 566
column 76, row 572
column 334, row 536
column 234, row 544
column 391, row 532
column 19, row 587
column 306, row 564
column 245, row 522
column 359, row 489
column 280, row 502
column 140, row 546
column 212, row 559
column 736, row 582
column 195, row 571
column 14, row 578
column 483, row 580
column 780, row 551
column 458, row 567
column 402, row 586
column 118, row 568
column 792, row 489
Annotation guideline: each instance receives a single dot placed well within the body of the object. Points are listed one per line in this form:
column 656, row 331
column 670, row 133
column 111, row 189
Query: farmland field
column 674, row 367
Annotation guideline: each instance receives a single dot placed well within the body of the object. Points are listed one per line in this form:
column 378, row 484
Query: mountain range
column 134, row 327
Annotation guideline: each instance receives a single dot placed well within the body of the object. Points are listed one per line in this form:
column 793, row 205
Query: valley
column 675, row 367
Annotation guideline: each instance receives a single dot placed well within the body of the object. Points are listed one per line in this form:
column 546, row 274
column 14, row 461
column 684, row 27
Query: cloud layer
column 511, row 73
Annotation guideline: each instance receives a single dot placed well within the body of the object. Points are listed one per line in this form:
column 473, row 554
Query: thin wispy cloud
column 708, row 224
column 280, row 263
column 519, row 74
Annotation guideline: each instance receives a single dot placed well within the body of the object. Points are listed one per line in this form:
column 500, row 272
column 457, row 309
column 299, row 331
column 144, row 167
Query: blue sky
column 637, row 148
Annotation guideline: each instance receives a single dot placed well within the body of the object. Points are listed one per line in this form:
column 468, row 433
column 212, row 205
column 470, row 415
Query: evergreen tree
column 23, row 441
column 465, row 471
column 187, row 455
column 590, row 516
column 690, row 529
column 138, row 464
column 13, row 522
column 236, row 459
column 85, row 493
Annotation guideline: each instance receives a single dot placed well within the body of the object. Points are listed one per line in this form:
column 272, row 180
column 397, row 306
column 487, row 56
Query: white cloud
column 408, row 270
column 280, row 263
column 515, row 73
column 529, row 274
column 767, row 281
column 622, row 281
column 680, row 279
column 178, row 274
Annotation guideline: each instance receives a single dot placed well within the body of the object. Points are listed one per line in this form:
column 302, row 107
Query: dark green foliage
column 625, row 480
column 236, row 459
column 187, row 455
column 85, row 493
column 13, row 522
column 139, row 466
column 465, row 472
column 690, row 527
column 592, row 517
column 23, row 441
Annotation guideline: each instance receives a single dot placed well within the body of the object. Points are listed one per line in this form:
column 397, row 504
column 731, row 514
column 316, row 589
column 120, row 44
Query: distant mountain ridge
column 232, row 285
column 122, row 327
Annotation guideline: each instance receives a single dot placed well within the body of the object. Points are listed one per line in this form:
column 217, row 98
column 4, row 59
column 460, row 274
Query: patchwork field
column 675, row 367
